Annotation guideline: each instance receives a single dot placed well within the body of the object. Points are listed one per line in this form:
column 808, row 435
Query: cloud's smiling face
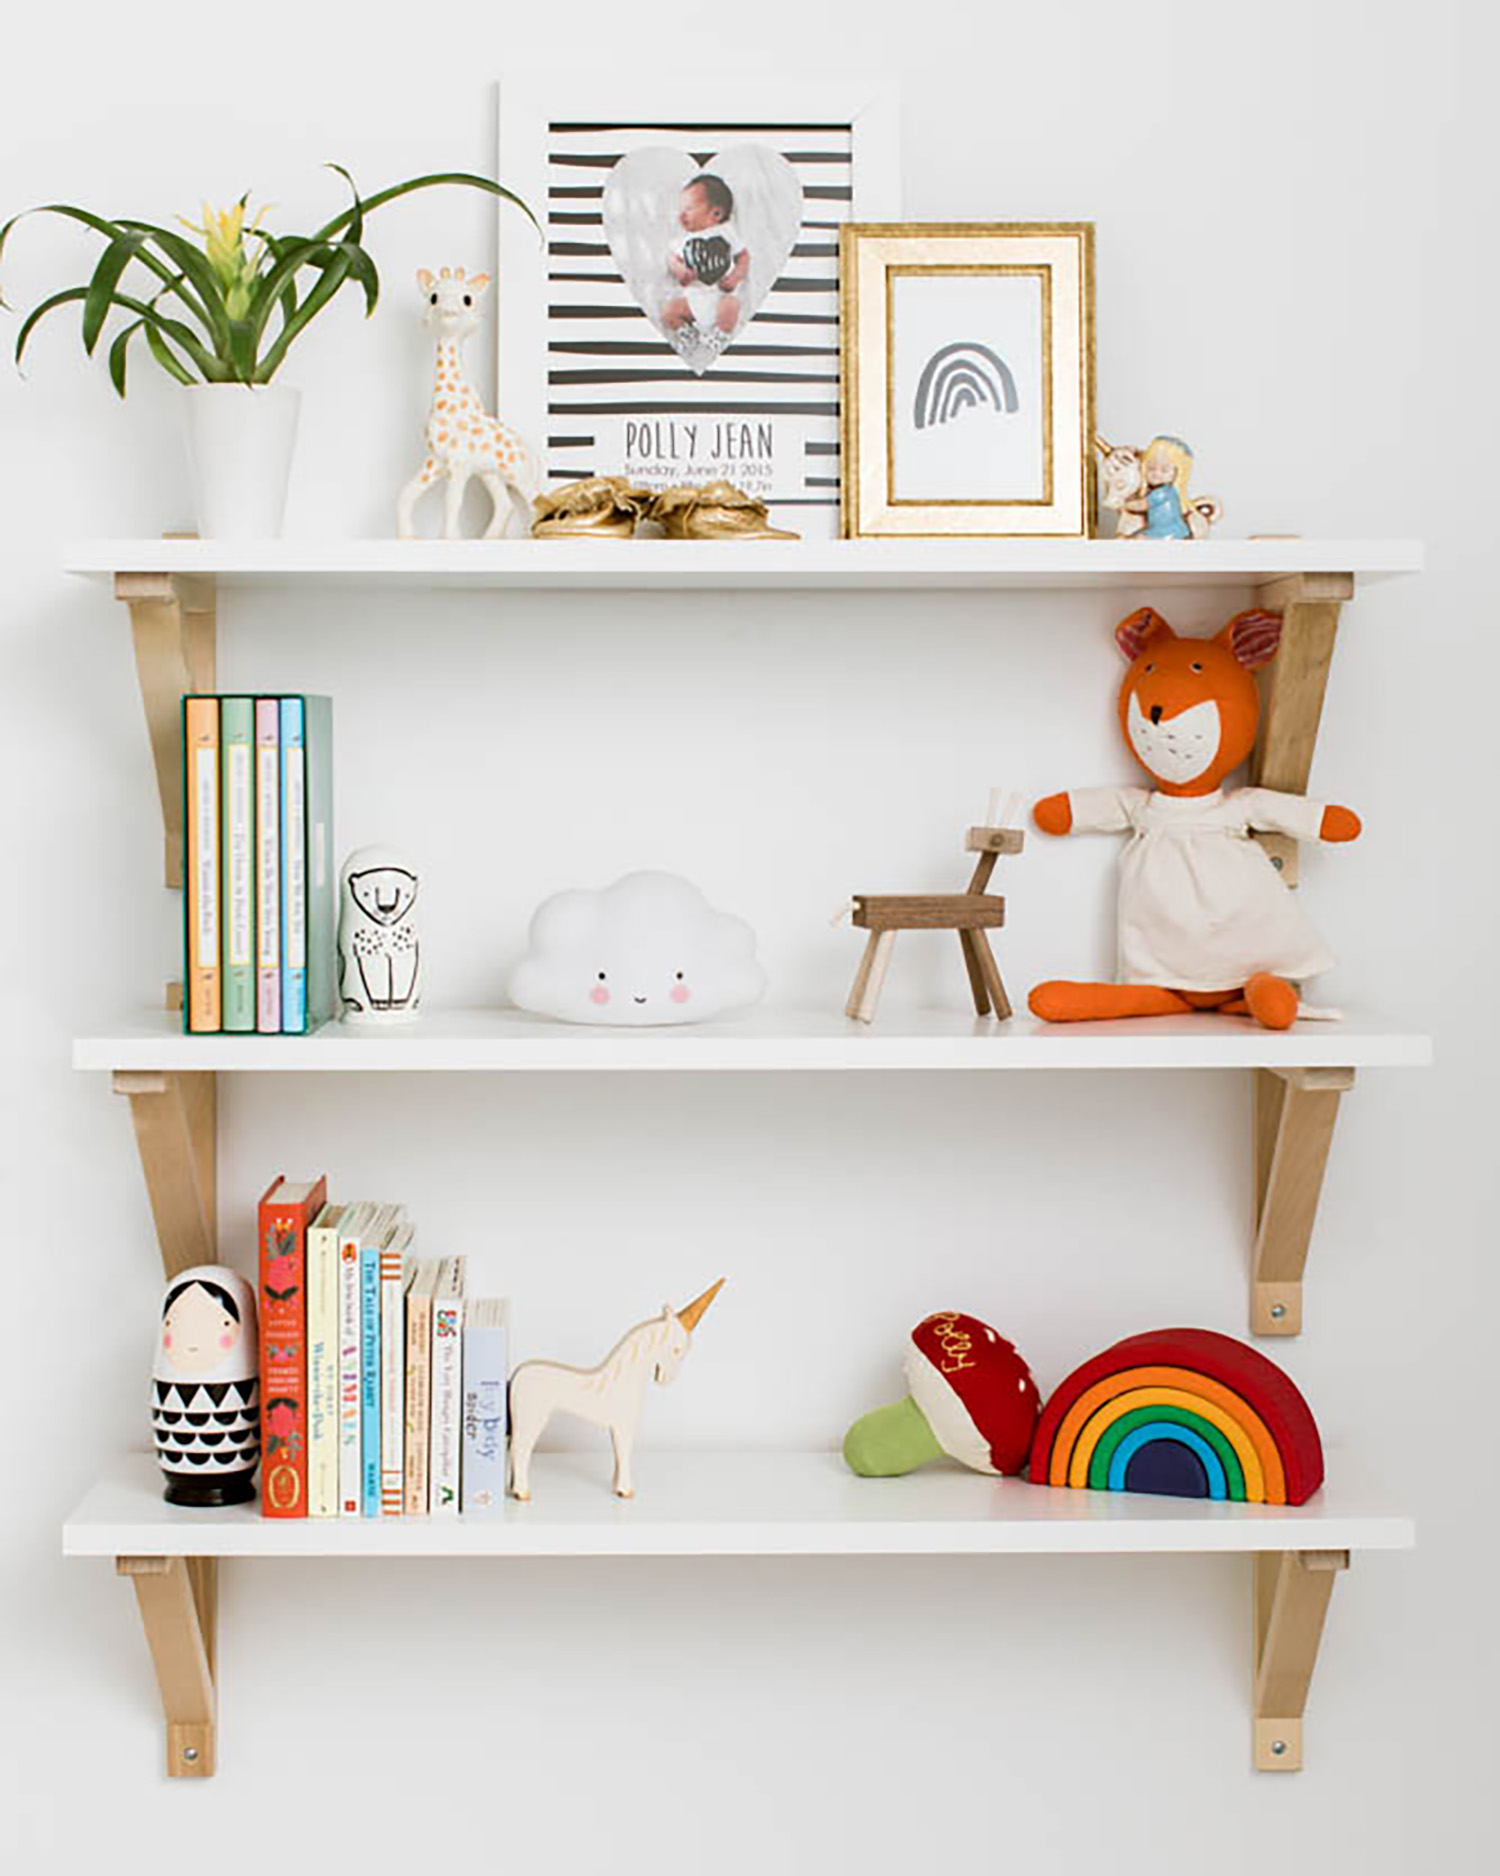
column 649, row 949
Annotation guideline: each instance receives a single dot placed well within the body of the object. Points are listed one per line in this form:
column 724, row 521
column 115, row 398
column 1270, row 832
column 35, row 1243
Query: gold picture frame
column 967, row 409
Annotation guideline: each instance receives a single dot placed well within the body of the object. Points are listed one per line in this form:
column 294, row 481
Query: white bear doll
column 380, row 957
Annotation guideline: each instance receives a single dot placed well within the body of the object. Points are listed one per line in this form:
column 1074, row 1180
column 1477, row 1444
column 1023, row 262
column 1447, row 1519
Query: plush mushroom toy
column 972, row 1397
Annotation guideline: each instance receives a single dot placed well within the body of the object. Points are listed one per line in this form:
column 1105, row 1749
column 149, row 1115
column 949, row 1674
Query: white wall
column 1296, row 271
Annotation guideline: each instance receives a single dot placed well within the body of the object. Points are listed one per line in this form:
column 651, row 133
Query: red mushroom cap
column 975, row 1391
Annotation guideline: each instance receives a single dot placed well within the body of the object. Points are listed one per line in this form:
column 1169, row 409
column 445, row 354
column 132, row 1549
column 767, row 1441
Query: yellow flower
column 225, row 237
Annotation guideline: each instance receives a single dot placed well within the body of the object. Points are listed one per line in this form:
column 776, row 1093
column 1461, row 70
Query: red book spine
column 283, row 1349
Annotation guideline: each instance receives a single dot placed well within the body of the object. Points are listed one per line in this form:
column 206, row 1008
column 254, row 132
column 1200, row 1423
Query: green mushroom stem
column 890, row 1440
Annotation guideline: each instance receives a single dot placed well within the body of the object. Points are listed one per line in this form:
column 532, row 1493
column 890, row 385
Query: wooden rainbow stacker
column 971, row 914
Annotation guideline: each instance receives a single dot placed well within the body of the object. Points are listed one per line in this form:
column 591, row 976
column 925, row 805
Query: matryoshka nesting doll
column 205, row 1407
column 380, row 956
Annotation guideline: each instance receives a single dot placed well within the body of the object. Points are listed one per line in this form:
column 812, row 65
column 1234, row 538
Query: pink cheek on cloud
column 166, row 1340
column 226, row 1341
column 599, row 994
column 680, row 993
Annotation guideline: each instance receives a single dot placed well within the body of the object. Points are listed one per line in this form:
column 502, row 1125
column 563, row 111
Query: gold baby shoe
column 717, row 511
column 601, row 508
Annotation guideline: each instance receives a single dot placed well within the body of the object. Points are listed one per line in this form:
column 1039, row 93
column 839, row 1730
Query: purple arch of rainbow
column 1186, row 1412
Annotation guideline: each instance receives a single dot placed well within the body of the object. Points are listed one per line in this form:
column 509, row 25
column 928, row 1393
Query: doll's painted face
column 1159, row 469
column 198, row 1331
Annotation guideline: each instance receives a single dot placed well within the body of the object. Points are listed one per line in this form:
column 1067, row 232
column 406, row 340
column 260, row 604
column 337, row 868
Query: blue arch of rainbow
column 1184, row 1412
column 960, row 377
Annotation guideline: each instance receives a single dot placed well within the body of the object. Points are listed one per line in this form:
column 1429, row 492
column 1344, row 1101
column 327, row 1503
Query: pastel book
column 372, row 1243
column 447, row 1384
column 356, row 1220
column 485, row 1374
column 268, row 866
column 237, row 849
column 285, row 1213
column 308, row 912
column 200, row 873
column 323, row 1363
column 293, row 837
column 397, row 1266
column 418, row 1427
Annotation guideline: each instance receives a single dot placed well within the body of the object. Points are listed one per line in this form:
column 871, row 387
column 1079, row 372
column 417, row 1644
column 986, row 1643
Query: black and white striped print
column 607, row 365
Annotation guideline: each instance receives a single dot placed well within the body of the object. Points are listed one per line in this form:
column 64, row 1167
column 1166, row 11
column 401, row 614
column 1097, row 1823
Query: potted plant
column 219, row 314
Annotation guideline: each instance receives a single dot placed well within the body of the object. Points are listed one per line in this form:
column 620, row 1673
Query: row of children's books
column 382, row 1386
column 258, row 871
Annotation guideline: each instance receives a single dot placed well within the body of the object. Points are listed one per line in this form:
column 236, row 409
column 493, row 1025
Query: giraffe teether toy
column 462, row 439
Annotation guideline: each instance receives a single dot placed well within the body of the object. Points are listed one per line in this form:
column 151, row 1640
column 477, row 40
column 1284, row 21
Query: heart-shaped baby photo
column 700, row 245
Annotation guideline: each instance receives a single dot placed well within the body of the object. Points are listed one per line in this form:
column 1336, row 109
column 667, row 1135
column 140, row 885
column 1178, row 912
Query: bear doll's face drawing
column 384, row 893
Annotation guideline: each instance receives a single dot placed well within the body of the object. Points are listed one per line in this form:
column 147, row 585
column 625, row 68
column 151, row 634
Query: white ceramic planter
column 239, row 443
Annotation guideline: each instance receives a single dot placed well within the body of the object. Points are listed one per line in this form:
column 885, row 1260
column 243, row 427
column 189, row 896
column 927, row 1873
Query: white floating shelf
column 774, row 1040
column 743, row 1505
column 675, row 565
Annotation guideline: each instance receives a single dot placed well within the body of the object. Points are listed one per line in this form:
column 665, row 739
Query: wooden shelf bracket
column 1292, row 1588
column 1295, row 1111
column 176, row 1134
column 1292, row 687
column 179, row 1604
column 172, row 625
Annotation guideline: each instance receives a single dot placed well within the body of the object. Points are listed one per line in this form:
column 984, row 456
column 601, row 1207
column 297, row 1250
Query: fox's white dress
column 1201, row 905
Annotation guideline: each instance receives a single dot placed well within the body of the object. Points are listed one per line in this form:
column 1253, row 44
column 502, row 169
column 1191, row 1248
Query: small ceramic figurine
column 462, row 440
column 600, row 508
column 380, row 957
column 649, row 949
column 205, row 1408
column 1148, row 491
column 610, row 1395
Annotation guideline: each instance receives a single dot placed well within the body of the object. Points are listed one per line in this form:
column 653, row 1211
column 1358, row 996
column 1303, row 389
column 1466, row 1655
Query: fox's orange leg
column 1061, row 1002
column 1272, row 1001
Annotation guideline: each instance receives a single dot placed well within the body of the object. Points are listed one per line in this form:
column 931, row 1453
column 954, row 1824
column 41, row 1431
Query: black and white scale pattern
column 206, row 1429
column 606, row 359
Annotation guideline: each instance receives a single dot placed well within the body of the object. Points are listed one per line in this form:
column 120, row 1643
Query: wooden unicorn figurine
column 462, row 440
column 610, row 1395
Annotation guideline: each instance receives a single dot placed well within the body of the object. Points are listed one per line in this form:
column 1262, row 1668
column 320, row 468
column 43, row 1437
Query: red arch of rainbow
column 1204, row 1384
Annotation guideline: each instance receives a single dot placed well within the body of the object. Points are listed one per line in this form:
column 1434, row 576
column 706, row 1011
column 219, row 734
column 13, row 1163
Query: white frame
column 871, row 255
column 530, row 99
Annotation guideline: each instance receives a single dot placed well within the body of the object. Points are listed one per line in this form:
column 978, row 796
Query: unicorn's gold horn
column 1104, row 448
column 692, row 1314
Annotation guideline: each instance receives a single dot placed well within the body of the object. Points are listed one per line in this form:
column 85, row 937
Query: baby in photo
column 707, row 262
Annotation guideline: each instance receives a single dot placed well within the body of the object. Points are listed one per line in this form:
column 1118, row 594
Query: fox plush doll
column 1205, row 922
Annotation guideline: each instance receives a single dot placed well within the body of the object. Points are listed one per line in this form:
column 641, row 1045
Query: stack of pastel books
column 382, row 1386
column 258, row 864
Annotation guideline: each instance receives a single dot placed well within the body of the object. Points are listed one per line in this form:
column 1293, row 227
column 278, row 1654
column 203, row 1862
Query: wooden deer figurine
column 462, row 440
column 610, row 1395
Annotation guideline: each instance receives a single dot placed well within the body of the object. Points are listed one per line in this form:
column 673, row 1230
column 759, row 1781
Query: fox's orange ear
column 1134, row 634
column 1253, row 637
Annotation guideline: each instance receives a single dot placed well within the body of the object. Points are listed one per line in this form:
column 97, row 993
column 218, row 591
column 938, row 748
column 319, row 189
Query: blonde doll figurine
column 1149, row 492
